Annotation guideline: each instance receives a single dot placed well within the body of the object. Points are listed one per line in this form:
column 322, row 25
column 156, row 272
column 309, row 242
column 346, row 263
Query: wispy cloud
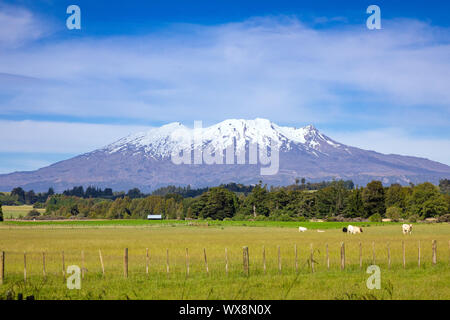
column 270, row 67
column 19, row 26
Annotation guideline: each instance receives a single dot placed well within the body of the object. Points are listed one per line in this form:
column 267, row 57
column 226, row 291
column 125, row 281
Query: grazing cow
column 344, row 229
column 350, row 229
column 354, row 230
column 302, row 229
column 407, row 228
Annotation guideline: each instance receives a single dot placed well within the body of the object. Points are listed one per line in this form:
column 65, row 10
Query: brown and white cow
column 354, row 230
column 407, row 228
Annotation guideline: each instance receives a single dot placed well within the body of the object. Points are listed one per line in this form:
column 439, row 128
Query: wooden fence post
column 43, row 265
column 312, row 258
column 434, row 245
column 2, row 267
column 147, row 261
column 167, row 261
column 245, row 261
column 101, row 262
column 187, row 262
column 206, row 260
column 279, row 260
column 264, row 259
column 389, row 255
column 342, row 256
column 328, row 257
column 296, row 258
column 226, row 261
column 24, row 267
column 418, row 255
column 404, row 254
column 125, row 263
column 63, row 266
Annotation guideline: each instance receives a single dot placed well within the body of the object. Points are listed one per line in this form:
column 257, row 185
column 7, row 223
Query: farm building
column 154, row 217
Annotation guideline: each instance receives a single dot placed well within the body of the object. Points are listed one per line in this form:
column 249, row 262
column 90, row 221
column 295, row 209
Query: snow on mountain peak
column 160, row 142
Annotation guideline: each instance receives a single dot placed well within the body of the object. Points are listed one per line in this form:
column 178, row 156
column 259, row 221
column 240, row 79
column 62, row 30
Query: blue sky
column 137, row 64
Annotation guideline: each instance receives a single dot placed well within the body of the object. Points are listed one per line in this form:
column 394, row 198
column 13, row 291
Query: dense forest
column 334, row 200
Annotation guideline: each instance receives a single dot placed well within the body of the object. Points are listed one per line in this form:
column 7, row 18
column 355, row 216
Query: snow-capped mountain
column 159, row 143
column 144, row 160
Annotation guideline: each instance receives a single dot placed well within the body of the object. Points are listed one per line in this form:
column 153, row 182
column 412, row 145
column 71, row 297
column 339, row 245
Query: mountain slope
column 144, row 160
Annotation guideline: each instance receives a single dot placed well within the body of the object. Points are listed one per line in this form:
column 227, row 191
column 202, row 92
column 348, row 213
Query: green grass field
column 14, row 212
column 427, row 282
column 201, row 223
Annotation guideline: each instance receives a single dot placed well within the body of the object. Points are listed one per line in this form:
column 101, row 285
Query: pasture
column 14, row 212
column 284, row 275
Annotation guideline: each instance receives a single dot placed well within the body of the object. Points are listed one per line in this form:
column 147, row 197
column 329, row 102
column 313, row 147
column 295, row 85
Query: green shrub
column 285, row 217
column 413, row 218
column 394, row 213
column 239, row 217
column 375, row 218
column 33, row 213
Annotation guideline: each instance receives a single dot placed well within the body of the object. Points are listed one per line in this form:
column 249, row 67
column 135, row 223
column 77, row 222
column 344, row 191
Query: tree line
column 337, row 200
column 19, row 196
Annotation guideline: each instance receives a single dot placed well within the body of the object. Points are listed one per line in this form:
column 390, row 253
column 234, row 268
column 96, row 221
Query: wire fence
column 247, row 261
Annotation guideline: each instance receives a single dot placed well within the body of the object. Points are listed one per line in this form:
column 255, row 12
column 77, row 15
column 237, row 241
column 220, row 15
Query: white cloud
column 396, row 141
column 19, row 26
column 276, row 68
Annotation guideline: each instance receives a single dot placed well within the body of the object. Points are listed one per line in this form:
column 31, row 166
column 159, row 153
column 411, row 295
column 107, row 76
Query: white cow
column 302, row 229
column 354, row 230
column 407, row 228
